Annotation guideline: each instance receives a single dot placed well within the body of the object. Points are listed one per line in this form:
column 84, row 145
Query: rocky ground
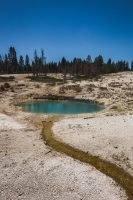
column 109, row 137
column 31, row 170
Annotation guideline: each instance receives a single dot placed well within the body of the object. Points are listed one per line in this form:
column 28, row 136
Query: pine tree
column 98, row 65
column 12, row 56
column 6, row 64
column 27, row 64
column 88, row 59
column 43, row 61
column 1, row 64
column 35, row 64
column 64, row 67
column 21, row 64
column 132, row 65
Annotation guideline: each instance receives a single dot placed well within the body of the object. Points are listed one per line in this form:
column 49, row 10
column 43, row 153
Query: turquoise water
column 60, row 107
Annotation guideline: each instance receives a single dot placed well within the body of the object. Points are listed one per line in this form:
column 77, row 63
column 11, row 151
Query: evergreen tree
column 42, row 61
column 27, row 64
column 64, row 67
column 21, row 64
column 88, row 59
column 12, row 56
column 98, row 65
column 109, row 67
column 127, row 66
column 1, row 64
column 27, row 60
column 132, row 65
column 35, row 64
column 6, row 63
column 9, row 64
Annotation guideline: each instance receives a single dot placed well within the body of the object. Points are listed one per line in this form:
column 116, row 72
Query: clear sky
column 70, row 28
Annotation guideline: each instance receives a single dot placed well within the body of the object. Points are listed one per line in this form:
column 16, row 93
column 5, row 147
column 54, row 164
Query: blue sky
column 70, row 28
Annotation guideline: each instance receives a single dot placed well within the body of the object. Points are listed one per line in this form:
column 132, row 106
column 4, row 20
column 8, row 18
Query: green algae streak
column 121, row 177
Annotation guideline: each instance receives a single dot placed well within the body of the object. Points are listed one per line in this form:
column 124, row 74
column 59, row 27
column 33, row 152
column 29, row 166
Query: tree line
column 10, row 63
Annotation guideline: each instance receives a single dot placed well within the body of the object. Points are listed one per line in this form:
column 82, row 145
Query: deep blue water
column 61, row 107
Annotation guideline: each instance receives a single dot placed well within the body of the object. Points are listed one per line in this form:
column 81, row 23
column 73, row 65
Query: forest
column 11, row 64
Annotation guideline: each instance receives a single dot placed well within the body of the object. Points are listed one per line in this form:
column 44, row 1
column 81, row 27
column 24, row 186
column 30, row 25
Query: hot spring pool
column 61, row 107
